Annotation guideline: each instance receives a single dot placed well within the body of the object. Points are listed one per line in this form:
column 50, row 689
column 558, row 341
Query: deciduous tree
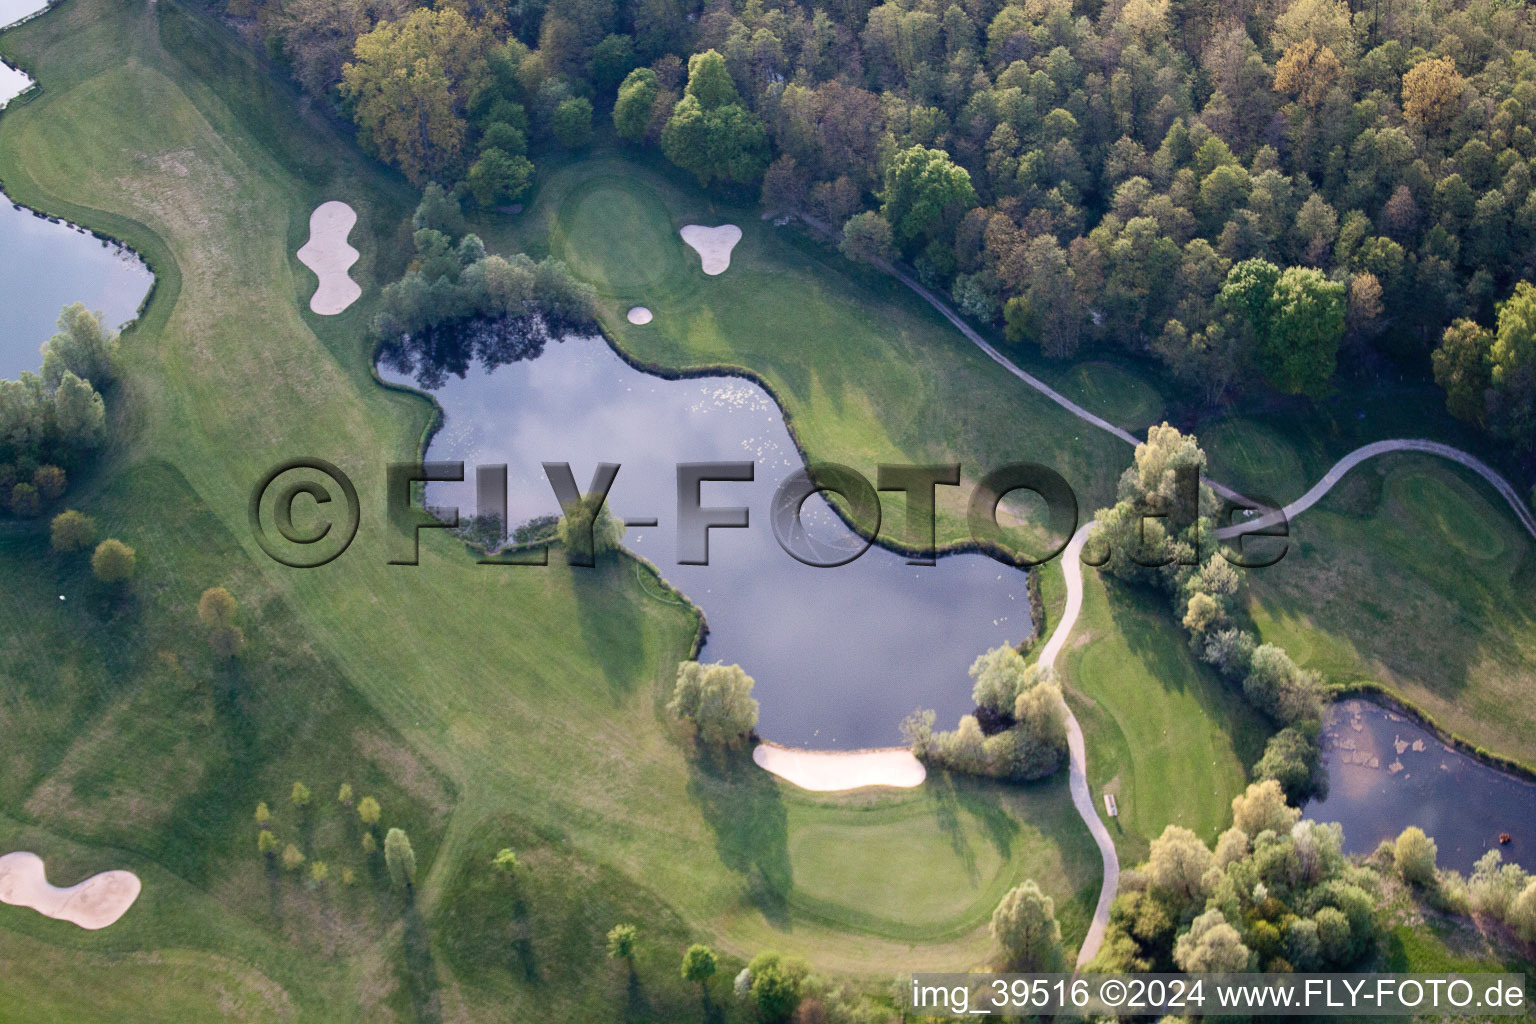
column 1024, row 925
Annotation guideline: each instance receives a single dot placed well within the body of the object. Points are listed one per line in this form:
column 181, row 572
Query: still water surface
column 46, row 266
column 840, row 655
column 1385, row 773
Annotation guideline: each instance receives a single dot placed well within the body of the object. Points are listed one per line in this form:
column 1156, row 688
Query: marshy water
column 840, row 655
column 1386, row 772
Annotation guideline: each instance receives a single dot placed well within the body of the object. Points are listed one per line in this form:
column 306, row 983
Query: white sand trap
column 329, row 256
column 828, row 771
column 95, row 903
column 639, row 315
column 713, row 245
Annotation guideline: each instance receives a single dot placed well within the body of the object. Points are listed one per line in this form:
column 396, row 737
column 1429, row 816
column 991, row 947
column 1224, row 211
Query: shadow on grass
column 420, row 971
column 610, row 626
column 979, row 799
column 741, row 804
column 521, row 937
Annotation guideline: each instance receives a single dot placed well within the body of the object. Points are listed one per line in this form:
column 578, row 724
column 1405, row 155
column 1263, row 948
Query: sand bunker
column 713, row 245
column 639, row 315
column 329, row 256
column 828, row 771
column 95, row 903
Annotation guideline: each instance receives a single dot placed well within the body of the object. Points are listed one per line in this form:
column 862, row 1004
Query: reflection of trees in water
column 436, row 351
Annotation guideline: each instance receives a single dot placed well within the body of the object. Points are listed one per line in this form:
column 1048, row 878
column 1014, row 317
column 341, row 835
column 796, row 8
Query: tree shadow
column 611, row 626
column 742, row 805
column 521, row 942
column 946, row 813
column 419, row 970
column 637, row 1004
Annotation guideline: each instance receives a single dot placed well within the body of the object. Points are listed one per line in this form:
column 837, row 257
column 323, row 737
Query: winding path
column 1370, row 451
column 1082, row 797
column 1072, row 569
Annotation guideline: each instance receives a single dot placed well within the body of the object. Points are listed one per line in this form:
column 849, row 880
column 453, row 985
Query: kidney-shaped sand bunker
column 95, row 903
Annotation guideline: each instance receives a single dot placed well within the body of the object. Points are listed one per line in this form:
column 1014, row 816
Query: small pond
column 840, row 655
column 43, row 268
column 1386, row 772
column 12, row 81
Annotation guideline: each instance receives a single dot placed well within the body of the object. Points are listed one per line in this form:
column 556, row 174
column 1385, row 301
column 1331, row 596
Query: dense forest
column 1259, row 194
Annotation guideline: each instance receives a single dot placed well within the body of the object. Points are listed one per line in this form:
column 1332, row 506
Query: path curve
column 1370, row 451
column 1072, row 570
column 1082, row 797
column 1306, row 501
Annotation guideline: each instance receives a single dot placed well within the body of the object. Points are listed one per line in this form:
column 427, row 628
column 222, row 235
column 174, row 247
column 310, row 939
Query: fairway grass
column 1410, row 575
column 1165, row 736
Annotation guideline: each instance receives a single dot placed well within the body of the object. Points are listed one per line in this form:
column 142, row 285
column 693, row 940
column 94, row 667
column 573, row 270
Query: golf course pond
column 45, row 266
column 840, row 655
column 1386, row 772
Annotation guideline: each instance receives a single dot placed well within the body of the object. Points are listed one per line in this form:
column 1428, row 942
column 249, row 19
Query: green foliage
column 82, row 346
column 399, row 858
column 612, row 59
column 1291, row 759
column 1024, row 926
column 505, row 861
column 717, row 700
column 409, row 83
column 572, row 123
column 300, row 796
column 723, row 143
column 1413, row 855
column 867, row 238
column 709, row 82
column 1277, row 890
column 1295, row 318
column 1299, row 353
column 699, row 964
column 499, row 178
column 776, row 985
column 455, row 285
column 621, row 942
column 632, row 108
column 591, row 527
column 924, row 188
column 113, row 561
column 368, row 811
